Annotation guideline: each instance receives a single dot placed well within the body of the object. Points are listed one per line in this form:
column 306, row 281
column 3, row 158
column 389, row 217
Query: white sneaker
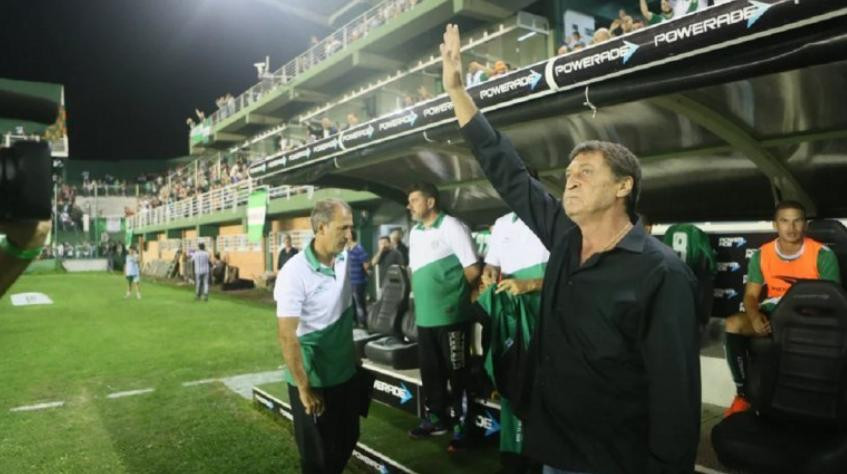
column 127, row 294
column 138, row 295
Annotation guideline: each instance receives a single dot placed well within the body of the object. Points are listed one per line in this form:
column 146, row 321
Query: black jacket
column 615, row 355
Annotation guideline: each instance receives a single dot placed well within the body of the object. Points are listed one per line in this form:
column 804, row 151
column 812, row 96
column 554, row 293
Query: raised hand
column 451, row 59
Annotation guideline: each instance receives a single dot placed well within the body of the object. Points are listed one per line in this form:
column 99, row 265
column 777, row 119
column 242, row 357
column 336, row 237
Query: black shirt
column 616, row 386
column 284, row 256
column 404, row 250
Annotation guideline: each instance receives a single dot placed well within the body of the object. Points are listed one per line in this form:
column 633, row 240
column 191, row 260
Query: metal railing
column 523, row 21
column 217, row 200
column 354, row 30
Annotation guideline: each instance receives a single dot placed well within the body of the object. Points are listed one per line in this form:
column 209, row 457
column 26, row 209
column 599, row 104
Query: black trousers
column 443, row 352
column 326, row 442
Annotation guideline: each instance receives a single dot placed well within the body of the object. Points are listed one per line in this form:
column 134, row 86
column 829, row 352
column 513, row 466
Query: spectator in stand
column 575, row 40
column 286, row 252
column 352, row 120
column 563, row 49
column 621, row 26
column 500, row 68
column 477, row 73
column 190, row 122
column 423, row 94
column 654, row 18
column 408, row 101
column 601, row 35
column 201, row 116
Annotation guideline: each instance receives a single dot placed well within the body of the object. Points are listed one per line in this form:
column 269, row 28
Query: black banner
column 398, row 393
column 724, row 27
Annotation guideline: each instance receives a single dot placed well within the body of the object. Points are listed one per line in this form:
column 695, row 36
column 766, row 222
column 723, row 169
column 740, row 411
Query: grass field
column 92, row 342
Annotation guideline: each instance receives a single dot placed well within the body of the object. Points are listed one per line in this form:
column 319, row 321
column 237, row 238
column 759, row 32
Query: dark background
column 134, row 70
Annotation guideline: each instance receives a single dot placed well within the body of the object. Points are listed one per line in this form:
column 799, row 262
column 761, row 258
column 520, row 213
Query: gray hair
column 325, row 210
column 622, row 162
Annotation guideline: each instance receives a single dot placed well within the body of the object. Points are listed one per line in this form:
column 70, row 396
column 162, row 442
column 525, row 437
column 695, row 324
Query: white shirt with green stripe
column 322, row 299
column 516, row 249
column 438, row 255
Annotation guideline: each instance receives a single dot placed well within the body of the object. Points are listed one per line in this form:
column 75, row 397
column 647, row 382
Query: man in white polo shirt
column 444, row 266
column 315, row 329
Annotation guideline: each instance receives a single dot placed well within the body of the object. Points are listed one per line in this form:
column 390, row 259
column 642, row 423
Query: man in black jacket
column 615, row 358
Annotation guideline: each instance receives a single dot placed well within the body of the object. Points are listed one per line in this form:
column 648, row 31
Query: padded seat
column 385, row 315
column 798, row 388
column 398, row 352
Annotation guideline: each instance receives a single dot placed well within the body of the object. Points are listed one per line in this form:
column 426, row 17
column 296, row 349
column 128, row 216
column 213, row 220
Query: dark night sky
column 133, row 70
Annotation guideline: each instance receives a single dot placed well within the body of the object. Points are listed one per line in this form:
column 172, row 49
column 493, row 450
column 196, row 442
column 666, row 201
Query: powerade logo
column 729, row 266
column 530, row 80
column 332, row 144
column 362, row 132
column 726, row 293
column 623, row 52
column 264, row 401
column 371, row 463
column 400, row 392
column 750, row 13
column 749, row 253
column 409, row 118
column 731, row 242
column 441, row 108
column 306, row 153
column 258, row 169
column 488, row 423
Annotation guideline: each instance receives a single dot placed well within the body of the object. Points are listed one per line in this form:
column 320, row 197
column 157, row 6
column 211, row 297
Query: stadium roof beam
column 482, row 10
column 784, row 184
column 310, row 96
column 229, row 137
column 258, row 119
column 376, row 62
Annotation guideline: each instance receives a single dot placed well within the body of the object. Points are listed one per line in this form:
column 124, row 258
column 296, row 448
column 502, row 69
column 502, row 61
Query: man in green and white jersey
column 444, row 266
column 315, row 329
column 515, row 265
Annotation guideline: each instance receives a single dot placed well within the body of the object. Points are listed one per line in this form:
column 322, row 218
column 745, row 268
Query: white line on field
column 198, row 382
column 38, row 406
column 129, row 393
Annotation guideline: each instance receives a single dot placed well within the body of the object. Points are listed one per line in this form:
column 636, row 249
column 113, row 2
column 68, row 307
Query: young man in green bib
column 315, row 329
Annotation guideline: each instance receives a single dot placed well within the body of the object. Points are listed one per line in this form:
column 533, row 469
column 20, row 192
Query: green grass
column 92, row 342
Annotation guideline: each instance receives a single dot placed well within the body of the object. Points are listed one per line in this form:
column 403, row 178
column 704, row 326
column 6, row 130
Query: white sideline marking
column 38, row 406
column 243, row 384
column 129, row 393
column 199, row 382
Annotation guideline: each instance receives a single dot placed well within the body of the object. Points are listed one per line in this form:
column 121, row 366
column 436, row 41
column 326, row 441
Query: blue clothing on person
column 358, row 256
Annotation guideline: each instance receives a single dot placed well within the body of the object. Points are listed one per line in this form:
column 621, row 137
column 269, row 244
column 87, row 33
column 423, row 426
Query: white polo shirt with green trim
column 322, row 299
column 438, row 255
column 516, row 249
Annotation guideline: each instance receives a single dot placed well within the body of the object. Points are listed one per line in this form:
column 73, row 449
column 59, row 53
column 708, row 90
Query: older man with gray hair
column 315, row 330
column 614, row 371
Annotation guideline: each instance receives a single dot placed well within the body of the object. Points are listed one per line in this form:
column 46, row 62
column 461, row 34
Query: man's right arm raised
column 502, row 165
